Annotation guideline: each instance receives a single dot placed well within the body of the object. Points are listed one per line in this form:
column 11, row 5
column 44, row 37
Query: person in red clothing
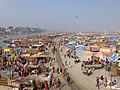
column 101, row 79
column 55, row 83
column 46, row 85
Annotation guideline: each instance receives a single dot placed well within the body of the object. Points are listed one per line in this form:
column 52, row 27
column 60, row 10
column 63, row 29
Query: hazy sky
column 62, row 15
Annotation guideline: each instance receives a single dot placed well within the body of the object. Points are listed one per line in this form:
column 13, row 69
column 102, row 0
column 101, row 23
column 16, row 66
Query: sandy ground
column 5, row 88
column 85, row 82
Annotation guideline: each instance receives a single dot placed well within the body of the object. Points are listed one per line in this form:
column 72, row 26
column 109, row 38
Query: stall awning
column 26, row 55
column 6, row 50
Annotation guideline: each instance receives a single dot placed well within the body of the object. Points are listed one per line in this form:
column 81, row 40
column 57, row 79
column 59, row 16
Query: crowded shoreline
column 32, row 62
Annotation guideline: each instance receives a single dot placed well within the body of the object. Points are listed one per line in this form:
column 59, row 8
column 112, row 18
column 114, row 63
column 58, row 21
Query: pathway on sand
column 72, row 85
column 64, row 85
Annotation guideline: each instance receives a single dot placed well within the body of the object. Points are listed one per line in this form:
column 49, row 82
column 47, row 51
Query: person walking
column 53, row 68
column 57, row 70
column 68, row 79
column 65, row 56
column 82, row 66
column 97, row 82
column 60, row 70
column 55, row 83
column 101, row 79
column 59, row 83
column 89, row 72
column 69, row 64
column 50, row 63
column 46, row 85
column 42, row 85
column 63, row 73
column 50, row 81
column 65, row 63
column 105, row 83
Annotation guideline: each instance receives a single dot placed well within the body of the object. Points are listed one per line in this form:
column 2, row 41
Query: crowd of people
column 102, row 80
column 20, row 63
column 93, row 61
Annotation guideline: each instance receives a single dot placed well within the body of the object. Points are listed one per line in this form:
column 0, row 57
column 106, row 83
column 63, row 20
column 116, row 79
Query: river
column 19, row 36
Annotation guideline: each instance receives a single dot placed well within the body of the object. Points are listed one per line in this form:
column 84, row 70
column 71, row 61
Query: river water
column 19, row 36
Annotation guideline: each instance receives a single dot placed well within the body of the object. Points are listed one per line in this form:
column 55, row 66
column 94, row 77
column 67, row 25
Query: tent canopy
column 71, row 47
column 26, row 55
column 19, row 48
column 102, row 56
column 114, row 56
column 89, row 53
column 39, row 53
column 37, row 45
column 112, row 38
column 74, row 41
column 81, row 47
column 99, row 54
column 6, row 50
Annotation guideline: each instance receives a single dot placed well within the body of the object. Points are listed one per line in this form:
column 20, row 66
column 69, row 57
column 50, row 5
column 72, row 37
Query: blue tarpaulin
column 19, row 48
column 112, row 37
column 114, row 56
column 71, row 47
column 81, row 47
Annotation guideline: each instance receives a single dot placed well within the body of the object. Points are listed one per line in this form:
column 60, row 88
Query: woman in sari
column 46, row 85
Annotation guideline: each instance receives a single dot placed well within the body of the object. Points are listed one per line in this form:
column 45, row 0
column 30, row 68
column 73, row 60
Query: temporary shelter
column 99, row 55
column 89, row 53
column 40, row 53
column 108, row 49
column 72, row 42
column 95, row 48
column 108, row 54
column 114, row 56
column 71, row 47
column 37, row 45
column 26, row 55
column 6, row 50
column 19, row 48
column 87, row 48
column 81, row 47
column 33, row 51
column 112, row 38
column 81, row 41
